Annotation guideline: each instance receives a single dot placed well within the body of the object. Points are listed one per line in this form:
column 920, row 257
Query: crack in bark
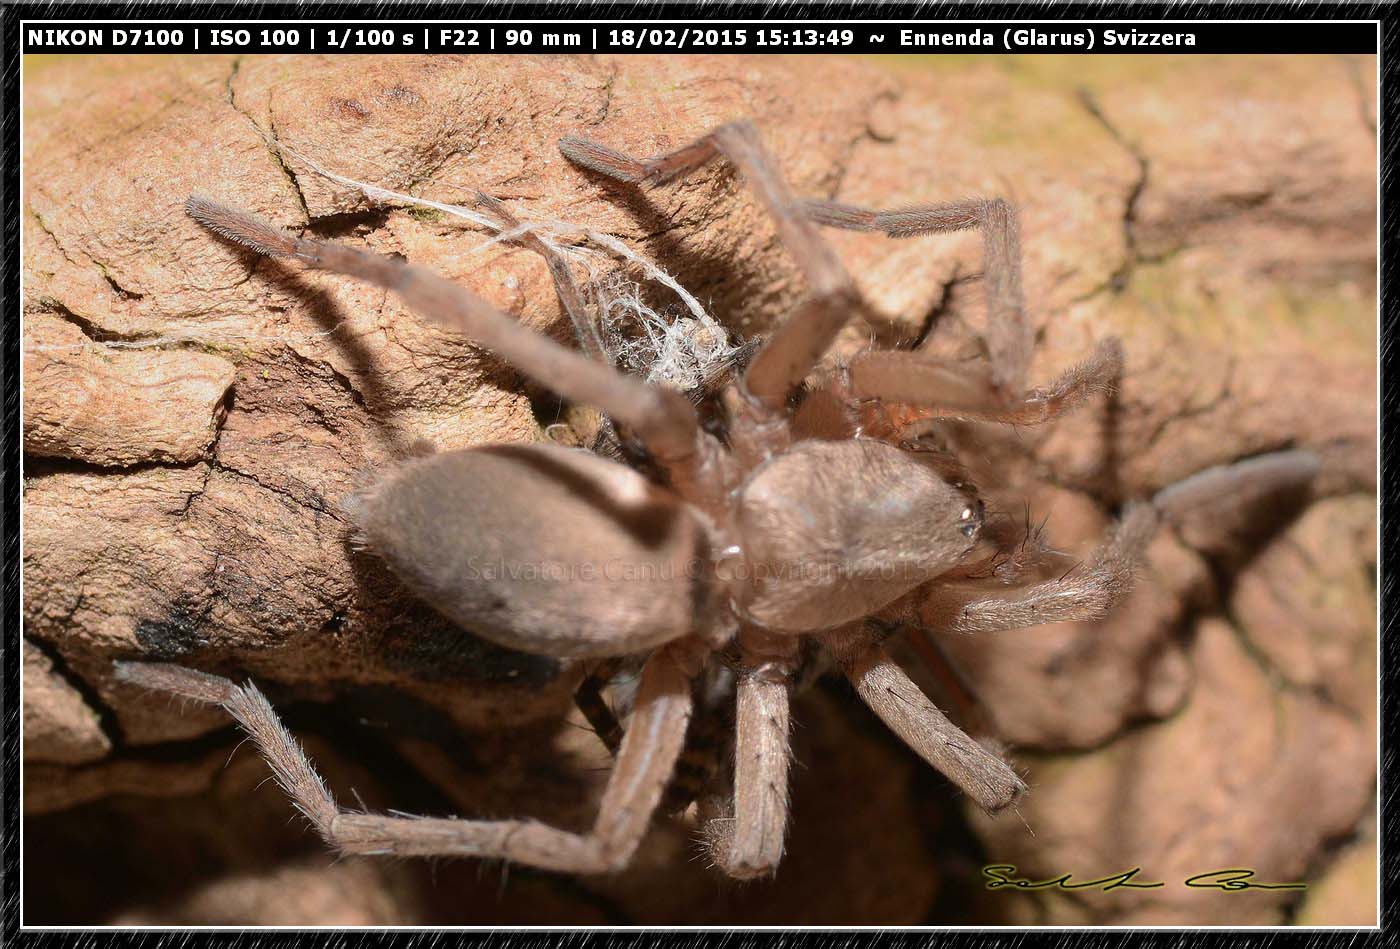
column 1133, row 254
column 348, row 384
column 942, row 305
column 102, row 268
column 107, row 721
column 269, row 139
column 43, row 466
column 342, row 379
column 209, row 463
column 841, row 168
column 291, row 176
column 198, row 493
column 1352, row 65
column 601, row 115
column 1188, row 412
column 1280, row 684
column 95, row 334
column 1224, row 580
column 117, row 288
column 1318, row 690
column 314, row 501
column 43, row 226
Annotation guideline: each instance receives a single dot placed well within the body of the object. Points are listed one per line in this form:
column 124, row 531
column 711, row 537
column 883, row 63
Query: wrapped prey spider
column 812, row 518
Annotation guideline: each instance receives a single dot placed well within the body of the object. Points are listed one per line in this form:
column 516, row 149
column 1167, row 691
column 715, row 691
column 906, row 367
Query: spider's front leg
column 644, row 764
column 1215, row 509
column 967, row 606
column 791, row 351
column 1078, row 595
column 662, row 418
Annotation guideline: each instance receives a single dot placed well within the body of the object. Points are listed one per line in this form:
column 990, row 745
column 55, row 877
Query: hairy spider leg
column 906, row 711
column 748, row 842
column 930, row 388
column 1210, row 510
column 1079, row 595
column 570, row 297
column 1213, row 503
column 939, row 388
column 644, row 764
column 965, row 608
column 791, row 351
column 662, row 418
column 1008, row 334
column 1210, row 507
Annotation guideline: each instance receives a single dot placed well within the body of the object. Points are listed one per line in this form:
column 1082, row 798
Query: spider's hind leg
column 645, row 760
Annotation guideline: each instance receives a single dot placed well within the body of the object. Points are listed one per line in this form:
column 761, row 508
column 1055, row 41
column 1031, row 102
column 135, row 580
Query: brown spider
column 821, row 521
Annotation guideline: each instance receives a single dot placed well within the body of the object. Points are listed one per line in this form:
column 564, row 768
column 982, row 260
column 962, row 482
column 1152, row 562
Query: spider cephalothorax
column 815, row 522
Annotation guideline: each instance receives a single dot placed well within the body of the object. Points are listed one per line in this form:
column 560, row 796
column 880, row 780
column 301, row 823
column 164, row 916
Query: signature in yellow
column 1231, row 880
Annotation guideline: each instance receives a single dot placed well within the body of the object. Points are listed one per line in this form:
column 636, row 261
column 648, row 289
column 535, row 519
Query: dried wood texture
column 195, row 416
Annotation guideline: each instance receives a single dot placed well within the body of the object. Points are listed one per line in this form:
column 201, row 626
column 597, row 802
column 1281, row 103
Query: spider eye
column 971, row 518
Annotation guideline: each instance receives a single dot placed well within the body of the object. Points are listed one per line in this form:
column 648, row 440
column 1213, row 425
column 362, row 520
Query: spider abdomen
column 541, row 548
column 833, row 531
